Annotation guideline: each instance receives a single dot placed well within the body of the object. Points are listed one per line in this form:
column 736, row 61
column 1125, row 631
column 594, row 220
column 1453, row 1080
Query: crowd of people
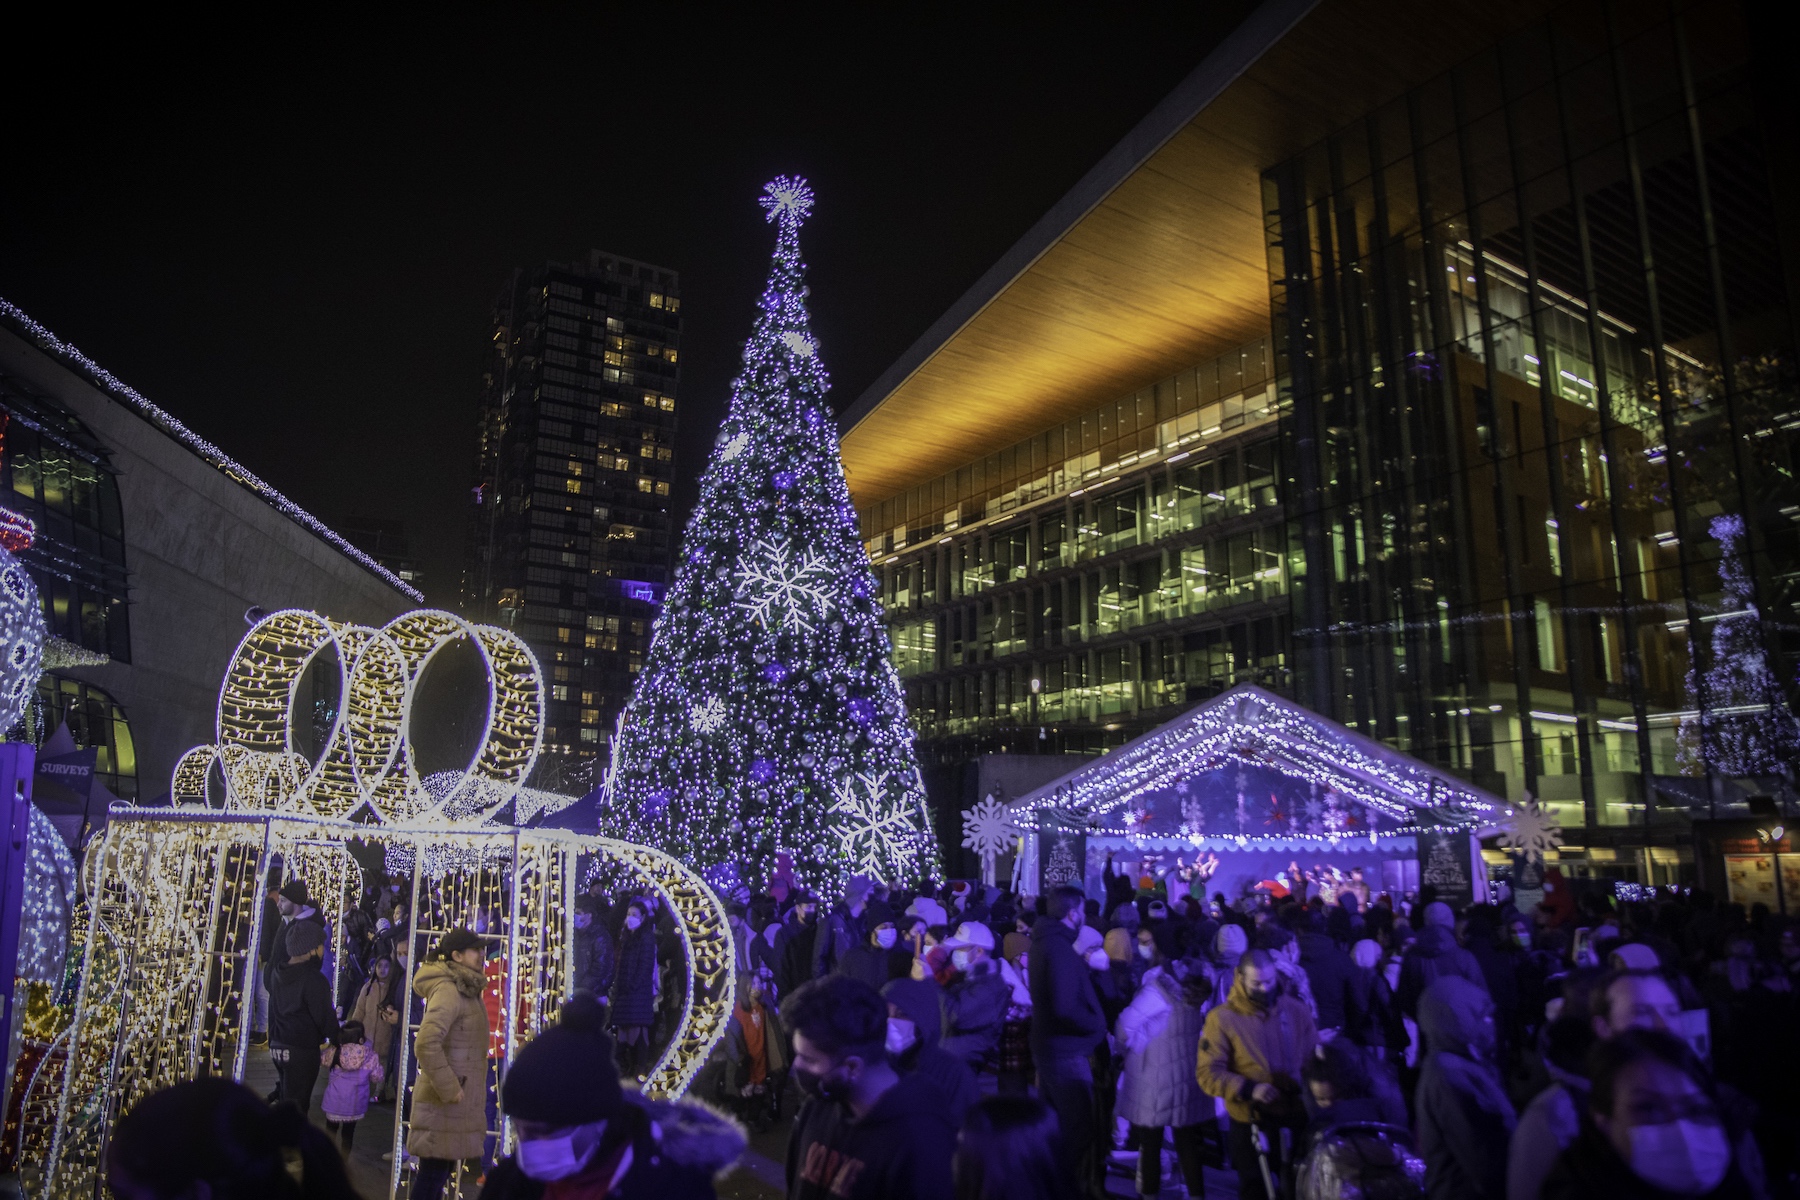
column 1307, row 1037
column 972, row 1042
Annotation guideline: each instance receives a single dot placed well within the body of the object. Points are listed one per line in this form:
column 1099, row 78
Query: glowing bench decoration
column 175, row 895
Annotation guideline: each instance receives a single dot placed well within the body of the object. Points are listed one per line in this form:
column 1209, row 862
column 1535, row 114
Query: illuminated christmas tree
column 768, row 718
column 1744, row 726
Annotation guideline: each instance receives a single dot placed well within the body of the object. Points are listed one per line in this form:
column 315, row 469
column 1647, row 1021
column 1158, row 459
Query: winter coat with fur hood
column 449, row 1112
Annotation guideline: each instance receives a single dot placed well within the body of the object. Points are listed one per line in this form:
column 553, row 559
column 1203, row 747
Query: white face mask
column 885, row 938
column 549, row 1159
column 901, row 1034
column 1685, row 1157
column 959, row 959
column 1144, row 952
column 1098, row 960
column 633, row 922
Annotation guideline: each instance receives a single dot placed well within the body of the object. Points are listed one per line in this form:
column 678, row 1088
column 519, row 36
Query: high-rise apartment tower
column 569, row 541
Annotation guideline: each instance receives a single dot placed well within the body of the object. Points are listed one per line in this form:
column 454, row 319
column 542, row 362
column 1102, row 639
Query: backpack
column 1366, row 1159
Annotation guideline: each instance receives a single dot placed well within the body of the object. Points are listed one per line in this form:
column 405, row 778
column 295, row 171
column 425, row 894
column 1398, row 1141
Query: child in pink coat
column 355, row 1071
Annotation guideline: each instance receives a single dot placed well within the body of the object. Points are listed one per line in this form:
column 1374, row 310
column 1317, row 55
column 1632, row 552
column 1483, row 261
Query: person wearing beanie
column 301, row 1016
column 580, row 1133
column 915, row 1044
column 293, row 906
column 1434, row 955
column 871, row 960
column 449, row 1109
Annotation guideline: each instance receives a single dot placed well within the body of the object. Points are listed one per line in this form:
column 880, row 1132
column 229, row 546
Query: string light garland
column 169, row 424
column 768, row 719
column 1245, row 727
column 176, row 894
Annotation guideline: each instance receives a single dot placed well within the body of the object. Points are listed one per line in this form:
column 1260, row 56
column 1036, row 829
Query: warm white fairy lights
column 218, row 458
column 176, row 894
column 768, row 699
column 367, row 757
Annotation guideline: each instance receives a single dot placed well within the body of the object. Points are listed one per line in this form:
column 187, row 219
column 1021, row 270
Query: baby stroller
column 1365, row 1159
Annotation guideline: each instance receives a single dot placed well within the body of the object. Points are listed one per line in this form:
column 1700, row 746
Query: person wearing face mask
column 1622, row 1001
column 634, row 990
column 1066, row 1024
column 915, row 1028
column 579, row 1135
column 1654, row 1128
column 872, row 960
column 595, row 958
column 866, row 1132
column 975, row 997
column 1465, row 1118
column 801, row 946
column 1252, row 1050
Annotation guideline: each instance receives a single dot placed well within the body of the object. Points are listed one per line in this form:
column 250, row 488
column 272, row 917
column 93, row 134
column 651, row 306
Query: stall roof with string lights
column 1251, row 770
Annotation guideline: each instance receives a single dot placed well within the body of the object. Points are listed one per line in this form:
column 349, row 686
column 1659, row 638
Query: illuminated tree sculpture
column 1744, row 725
column 768, row 718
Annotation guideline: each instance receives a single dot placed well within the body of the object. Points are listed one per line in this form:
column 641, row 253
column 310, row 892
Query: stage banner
column 1062, row 858
column 1445, row 863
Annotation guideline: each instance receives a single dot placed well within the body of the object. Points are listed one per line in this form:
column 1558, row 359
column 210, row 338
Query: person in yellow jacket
column 1251, row 1051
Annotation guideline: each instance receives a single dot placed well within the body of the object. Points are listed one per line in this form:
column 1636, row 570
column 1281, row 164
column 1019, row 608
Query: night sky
column 291, row 237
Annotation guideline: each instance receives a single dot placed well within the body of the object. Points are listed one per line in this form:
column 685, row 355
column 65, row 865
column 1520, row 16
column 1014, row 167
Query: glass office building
column 1080, row 587
column 1499, row 470
column 570, row 537
column 1535, row 361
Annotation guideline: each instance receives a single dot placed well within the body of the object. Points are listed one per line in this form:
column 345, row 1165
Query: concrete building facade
column 151, row 546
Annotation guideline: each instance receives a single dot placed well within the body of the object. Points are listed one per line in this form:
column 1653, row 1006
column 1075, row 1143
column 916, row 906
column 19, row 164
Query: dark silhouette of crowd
column 973, row 1042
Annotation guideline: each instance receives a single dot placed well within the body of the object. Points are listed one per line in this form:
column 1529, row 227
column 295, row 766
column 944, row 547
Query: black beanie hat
column 295, row 890
column 566, row 1075
column 455, row 940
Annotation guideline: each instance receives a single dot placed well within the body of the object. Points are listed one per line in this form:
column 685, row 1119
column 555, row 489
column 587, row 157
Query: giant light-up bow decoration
column 367, row 757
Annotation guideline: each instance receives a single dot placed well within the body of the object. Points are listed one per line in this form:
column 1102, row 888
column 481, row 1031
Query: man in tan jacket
column 1251, row 1052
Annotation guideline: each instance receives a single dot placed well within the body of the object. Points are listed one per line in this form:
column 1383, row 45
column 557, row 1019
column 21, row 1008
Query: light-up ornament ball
column 21, row 639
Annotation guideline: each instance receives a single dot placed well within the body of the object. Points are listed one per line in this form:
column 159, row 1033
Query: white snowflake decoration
column 798, row 342
column 989, row 830
column 1193, row 819
column 1336, row 819
column 874, row 836
column 778, row 591
column 738, row 443
column 1530, row 830
column 707, row 716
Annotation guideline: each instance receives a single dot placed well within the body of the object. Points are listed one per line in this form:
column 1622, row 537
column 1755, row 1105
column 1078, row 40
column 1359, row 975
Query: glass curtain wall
column 1536, row 371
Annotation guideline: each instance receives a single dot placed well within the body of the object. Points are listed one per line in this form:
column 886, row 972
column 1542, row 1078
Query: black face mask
column 832, row 1085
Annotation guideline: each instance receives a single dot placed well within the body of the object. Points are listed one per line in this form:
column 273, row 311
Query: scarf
column 755, row 1046
column 595, row 1183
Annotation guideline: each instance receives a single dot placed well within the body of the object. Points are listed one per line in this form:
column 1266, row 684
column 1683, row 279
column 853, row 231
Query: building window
column 95, row 720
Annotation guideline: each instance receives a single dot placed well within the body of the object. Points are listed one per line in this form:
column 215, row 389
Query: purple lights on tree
column 768, row 703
